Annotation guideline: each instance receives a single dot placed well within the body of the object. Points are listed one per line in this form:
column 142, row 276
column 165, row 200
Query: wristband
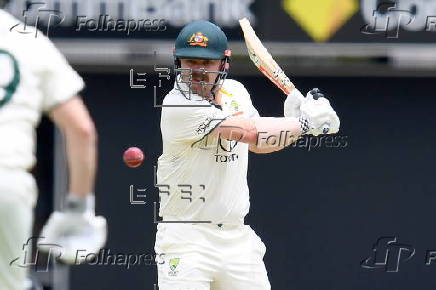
column 80, row 204
column 304, row 124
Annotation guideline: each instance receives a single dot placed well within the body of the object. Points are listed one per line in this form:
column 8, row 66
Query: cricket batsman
column 34, row 79
column 208, row 125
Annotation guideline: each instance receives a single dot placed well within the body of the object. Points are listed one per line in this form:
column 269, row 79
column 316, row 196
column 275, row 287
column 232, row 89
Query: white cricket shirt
column 201, row 178
column 34, row 77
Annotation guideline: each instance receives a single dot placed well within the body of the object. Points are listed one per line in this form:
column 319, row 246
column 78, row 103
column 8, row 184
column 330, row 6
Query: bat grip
column 316, row 94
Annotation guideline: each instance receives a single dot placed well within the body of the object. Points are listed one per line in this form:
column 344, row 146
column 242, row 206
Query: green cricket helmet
column 202, row 40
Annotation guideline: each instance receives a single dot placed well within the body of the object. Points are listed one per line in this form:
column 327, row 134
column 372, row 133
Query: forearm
column 263, row 134
column 76, row 124
column 82, row 158
column 313, row 115
column 275, row 134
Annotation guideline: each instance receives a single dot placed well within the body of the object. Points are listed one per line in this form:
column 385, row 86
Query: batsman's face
column 198, row 76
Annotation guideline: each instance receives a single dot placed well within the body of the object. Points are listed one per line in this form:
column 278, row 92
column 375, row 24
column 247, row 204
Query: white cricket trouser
column 208, row 257
column 17, row 198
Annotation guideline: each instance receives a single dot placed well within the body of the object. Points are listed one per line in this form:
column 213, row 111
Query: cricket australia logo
column 174, row 262
column 198, row 39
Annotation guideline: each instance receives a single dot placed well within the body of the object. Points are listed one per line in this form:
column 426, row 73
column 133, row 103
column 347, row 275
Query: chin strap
column 221, row 77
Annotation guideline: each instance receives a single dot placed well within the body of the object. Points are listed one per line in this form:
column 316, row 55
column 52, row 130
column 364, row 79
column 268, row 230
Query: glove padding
column 318, row 115
column 292, row 104
column 77, row 232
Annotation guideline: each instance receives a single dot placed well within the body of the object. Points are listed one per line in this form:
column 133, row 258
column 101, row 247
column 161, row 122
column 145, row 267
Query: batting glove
column 292, row 104
column 76, row 230
column 317, row 115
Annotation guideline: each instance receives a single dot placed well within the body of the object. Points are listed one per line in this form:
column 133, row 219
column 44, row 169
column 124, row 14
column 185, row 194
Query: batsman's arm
column 263, row 134
column 73, row 119
column 76, row 228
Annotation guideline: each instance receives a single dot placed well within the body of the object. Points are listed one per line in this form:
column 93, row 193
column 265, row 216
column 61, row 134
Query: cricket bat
column 263, row 59
column 265, row 63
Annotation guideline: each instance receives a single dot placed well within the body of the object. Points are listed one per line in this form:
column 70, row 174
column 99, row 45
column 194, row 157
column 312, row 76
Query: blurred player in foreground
column 208, row 125
column 35, row 78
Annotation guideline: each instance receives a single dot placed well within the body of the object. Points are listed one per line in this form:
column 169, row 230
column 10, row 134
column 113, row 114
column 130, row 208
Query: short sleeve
column 59, row 81
column 251, row 111
column 190, row 124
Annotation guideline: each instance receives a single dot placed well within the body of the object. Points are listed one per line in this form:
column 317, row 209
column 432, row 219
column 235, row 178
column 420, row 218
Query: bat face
column 254, row 58
column 263, row 60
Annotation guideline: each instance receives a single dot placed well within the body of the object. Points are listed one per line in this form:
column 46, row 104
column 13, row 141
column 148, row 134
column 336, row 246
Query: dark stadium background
column 319, row 212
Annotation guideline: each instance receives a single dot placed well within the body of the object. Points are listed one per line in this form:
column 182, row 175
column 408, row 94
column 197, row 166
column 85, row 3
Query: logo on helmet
column 198, row 39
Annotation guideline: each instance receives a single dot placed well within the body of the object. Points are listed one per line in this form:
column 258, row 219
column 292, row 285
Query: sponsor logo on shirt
column 223, row 158
column 234, row 105
column 203, row 126
column 174, row 262
column 224, row 151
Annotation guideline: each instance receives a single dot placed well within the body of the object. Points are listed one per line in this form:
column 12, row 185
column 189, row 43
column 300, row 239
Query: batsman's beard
column 201, row 84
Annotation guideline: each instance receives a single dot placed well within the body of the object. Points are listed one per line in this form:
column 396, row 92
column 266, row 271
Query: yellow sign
column 321, row 18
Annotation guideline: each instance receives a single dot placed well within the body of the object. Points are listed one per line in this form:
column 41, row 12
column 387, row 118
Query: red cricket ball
column 133, row 157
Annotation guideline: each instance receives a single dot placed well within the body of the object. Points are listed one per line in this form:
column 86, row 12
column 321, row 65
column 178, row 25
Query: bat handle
column 325, row 128
column 316, row 93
